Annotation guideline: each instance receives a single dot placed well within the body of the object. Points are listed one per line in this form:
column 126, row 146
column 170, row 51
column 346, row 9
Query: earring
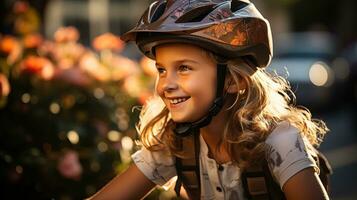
column 241, row 91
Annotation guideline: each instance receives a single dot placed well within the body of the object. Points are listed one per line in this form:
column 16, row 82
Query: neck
column 213, row 134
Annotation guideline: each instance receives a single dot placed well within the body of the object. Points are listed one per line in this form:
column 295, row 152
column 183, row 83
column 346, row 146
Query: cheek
column 206, row 85
column 202, row 87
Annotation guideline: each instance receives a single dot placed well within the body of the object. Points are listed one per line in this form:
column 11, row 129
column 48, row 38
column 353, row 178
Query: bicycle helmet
column 228, row 28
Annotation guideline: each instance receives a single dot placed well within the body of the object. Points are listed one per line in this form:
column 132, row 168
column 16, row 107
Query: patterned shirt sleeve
column 288, row 153
column 157, row 166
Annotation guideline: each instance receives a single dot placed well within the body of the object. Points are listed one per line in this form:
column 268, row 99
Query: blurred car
column 308, row 61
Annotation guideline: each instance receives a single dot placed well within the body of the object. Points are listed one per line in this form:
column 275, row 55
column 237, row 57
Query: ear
column 232, row 87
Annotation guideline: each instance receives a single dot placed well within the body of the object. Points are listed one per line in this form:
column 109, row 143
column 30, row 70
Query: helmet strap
column 187, row 128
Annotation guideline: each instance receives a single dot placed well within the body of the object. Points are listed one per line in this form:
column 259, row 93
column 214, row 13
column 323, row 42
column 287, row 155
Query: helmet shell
column 228, row 28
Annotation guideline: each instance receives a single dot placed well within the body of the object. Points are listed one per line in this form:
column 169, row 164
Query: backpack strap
column 259, row 184
column 254, row 185
column 188, row 169
column 325, row 170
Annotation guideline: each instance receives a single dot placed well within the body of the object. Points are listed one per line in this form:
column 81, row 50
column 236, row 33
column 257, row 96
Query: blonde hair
column 253, row 114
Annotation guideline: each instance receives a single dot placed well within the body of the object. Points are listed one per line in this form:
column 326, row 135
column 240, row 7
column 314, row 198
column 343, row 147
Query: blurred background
column 71, row 90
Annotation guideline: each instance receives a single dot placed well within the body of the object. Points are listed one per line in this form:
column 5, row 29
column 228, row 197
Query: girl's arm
column 131, row 184
column 305, row 185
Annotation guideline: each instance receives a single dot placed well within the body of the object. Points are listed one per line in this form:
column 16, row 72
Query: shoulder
column 160, row 157
column 282, row 130
column 284, row 137
column 158, row 166
column 288, row 152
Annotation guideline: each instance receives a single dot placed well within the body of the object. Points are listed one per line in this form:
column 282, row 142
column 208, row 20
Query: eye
column 184, row 68
column 160, row 70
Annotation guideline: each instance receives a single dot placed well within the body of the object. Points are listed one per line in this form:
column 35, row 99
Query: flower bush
column 65, row 112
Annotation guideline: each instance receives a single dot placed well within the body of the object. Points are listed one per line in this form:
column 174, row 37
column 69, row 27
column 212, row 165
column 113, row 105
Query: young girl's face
column 187, row 80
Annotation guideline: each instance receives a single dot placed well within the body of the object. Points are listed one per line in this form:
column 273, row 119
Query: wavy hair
column 253, row 113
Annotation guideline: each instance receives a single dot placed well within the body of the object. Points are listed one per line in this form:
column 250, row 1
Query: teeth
column 178, row 100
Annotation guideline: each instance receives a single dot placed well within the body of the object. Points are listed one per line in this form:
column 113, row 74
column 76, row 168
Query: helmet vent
column 237, row 5
column 159, row 11
column 196, row 15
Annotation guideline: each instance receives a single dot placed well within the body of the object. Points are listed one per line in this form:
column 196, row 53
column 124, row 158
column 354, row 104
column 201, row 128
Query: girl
column 214, row 93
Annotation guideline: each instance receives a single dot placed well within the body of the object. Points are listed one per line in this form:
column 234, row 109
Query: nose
column 169, row 83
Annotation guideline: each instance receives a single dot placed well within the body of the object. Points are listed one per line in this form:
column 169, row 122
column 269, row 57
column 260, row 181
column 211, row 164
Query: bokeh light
column 55, row 108
column 73, row 137
column 127, row 143
column 26, row 98
column 318, row 74
column 98, row 93
column 114, row 135
column 102, row 147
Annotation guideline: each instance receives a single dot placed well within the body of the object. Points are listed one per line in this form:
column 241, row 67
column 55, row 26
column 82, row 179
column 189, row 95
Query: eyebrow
column 179, row 61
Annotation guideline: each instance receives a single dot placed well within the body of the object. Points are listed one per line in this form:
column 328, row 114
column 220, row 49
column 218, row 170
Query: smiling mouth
column 178, row 100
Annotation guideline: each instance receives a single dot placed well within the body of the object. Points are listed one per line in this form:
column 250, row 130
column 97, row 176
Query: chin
column 179, row 120
column 182, row 119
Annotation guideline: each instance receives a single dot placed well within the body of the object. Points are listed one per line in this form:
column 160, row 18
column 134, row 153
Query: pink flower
column 66, row 34
column 74, row 76
column 32, row 41
column 47, row 48
column 108, row 41
column 122, row 67
column 4, row 86
column 67, row 54
column 90, row 64
column 134, row 86
column 39, row 66
column 69, row 165
column 11, row 48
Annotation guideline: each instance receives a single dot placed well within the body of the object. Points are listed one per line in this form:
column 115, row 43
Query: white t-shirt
column 288, row 154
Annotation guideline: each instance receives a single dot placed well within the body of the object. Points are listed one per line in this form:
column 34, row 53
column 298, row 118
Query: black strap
column 255, row 184
column 197, row 159
column 178, row 165
column 325, row 171
column 188, row 170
